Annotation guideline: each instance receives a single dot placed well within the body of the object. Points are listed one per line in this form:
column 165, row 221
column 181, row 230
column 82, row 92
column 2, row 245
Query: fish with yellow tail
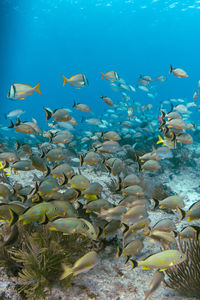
column 83, row 264
column 161, row 260
column 166, row 142
column 78, row 81
column 21, row 91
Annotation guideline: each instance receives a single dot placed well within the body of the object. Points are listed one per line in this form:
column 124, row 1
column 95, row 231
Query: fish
column 155, row 283
column 111, row 136
column 21, row 91
column 164, row 237
column 161, row 260
column 82, row 107
column 193, row 213
column 166, row 142
column 171, row 202
column 97, row 205
column 93, row 191
column 52, row 209
column 180, row 73
column 60, row 114
column 189, row 232
column 131, row 249
column 129, row 180
column 165, row 224
column 83, row 264
column 79, row 182
column 72, row 225
column 16, row 113
column 151, row 166
column 90, row 158
column 7, row 171
column 24, row 147
column 161, row 78
column 111, row 76
column 11, row 237
column 107, row 100
column 78, row 81
column 113, row 213
column 195, row 95
column 23, row 128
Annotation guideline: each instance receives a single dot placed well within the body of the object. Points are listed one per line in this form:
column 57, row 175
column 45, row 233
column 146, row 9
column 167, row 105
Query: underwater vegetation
column 185, row 278
column 37, row 257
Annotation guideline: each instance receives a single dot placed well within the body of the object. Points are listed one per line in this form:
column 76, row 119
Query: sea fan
column 185, row 277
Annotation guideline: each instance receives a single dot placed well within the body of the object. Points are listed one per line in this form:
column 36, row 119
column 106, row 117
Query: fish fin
column 13, row 217
column 17, row 145
column 65, row 80
column 48, row 113
column 125, row 227
column 78, row 193
column 44, row 220
column 133, row 263
column 48, row 171
column 67, row 271
column 80, row 205
column 171, row 69
column 138, row 163
column 163, row 269
column 102, row 75
column 145, row 268
column 99, row 231
column 11, row 124
column 181, row 212
column 155, row 203
column 160, row 140
column 90, row 197
column 119, row 252
column 81, row 160
column 127, row 259
column 74, row 103
column 36, row 88
column 190, row 219
column 52, row 228
column 64, row 179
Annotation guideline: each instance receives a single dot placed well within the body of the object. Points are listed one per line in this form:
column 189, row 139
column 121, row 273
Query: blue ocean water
column 42, row 39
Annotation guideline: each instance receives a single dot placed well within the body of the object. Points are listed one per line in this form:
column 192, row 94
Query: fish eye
column 181, row 256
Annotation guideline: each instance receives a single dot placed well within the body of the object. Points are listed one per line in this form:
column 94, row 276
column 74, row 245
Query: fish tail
column 11, row 124
column 181, row 212
column 119, row 252
column 155, row 203
column 17, row 145
column 67, row 272
column 103, row 75
column 138, row 163
column 160, row 140
column 171, row 69
column 13, row 217
column 48, row 113
column 65, row 79
column 125, row 227
column 5, row 116
column 36, row 88
column 133, row 263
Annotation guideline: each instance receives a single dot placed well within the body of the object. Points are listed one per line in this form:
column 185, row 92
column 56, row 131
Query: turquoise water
column 40, row 40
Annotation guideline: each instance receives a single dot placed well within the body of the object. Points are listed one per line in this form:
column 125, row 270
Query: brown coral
column 185, row 277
